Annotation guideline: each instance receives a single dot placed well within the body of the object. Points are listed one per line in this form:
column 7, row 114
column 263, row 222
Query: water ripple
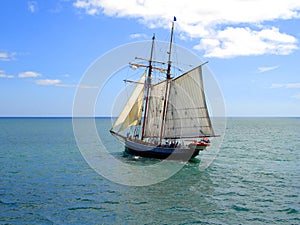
column 254, row 180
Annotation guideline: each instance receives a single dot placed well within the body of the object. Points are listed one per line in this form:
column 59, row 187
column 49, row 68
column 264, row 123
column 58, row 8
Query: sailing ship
column 168, row 119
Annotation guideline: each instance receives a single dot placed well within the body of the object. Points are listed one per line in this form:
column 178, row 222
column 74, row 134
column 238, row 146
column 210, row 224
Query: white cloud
column 137, row 35
column 5, row 56
column 57, row 83
column 32, row 6
column 66, row 85
column 244, row 42
column 290, row 85
column 76, row 86
column 86, row 86
column 4, row 75
column 48, row 82
column 28, row 74
column 296, row 96
column 223, row 28
column 266, row 69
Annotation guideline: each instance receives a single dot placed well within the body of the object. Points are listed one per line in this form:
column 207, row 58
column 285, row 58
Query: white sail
column 155, row 110
column 187, row 114
column 132, row 112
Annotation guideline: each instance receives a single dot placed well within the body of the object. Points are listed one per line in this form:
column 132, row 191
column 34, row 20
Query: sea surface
column 254, row 179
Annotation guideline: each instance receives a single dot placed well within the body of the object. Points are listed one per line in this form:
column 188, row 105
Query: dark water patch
column 26, row 218
column 111, row 202
column 84, row 200
column 291, row 196
column 240, row 208
column 264, row 200
column 181, row 209
column 86, row 208
column 289, row 211
column 140, row 203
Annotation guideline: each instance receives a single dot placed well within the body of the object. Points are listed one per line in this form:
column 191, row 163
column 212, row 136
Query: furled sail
column 132, row 112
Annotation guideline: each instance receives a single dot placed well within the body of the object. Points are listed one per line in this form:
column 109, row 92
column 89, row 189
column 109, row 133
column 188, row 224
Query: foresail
column 132, row 112
column 187, row 113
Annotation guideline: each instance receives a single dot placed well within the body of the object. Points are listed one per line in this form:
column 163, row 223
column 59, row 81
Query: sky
column 253, row 49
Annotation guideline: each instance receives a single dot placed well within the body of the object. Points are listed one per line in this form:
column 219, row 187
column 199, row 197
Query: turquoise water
column 254, row 180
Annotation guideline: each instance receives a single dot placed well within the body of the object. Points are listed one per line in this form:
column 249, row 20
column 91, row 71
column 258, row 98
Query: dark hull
column 148, row 151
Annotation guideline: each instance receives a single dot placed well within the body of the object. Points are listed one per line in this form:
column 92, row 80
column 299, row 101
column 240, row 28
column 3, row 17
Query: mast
column 170, row 51
column 167, row 84
column 148, row 84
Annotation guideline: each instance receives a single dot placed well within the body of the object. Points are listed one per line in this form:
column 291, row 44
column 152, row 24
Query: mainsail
column 132, row 112
column 186, row 113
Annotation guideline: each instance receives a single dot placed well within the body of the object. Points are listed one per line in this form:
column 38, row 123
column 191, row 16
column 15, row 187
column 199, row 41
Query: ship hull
column 149, row 151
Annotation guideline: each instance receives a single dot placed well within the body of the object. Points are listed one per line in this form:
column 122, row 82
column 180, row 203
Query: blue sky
column 253, row 49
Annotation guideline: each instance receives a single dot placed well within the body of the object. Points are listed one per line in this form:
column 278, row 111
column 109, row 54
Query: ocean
column 254, row 179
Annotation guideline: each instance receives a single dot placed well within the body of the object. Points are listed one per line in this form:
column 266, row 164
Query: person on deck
column 205, row 140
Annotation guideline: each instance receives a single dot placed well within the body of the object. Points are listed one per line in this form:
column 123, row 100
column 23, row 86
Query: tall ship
column 168, row 119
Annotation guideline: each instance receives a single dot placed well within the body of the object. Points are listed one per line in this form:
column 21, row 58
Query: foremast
column 148, row 82
column 148, row 85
